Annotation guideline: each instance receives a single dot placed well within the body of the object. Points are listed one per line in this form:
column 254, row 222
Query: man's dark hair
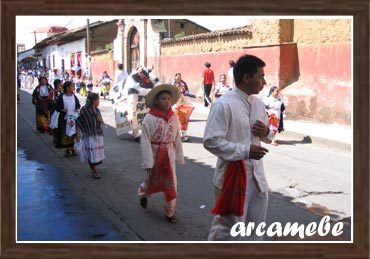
column 41, row 78
column 56, row 83
column 207, row 64
column 120, row 66
column 231, row 63
column 66, row 84
column 247, row 64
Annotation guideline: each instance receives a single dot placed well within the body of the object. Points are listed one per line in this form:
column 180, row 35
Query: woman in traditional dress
column 89, row 124
column 53, row 100
column 41, row 101
column 274, row 107
column 161, row 147
column 183, row 107
column 68, row 105
column 105, row 81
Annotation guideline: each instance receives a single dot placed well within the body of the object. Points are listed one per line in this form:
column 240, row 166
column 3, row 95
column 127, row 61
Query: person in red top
column 208, row 80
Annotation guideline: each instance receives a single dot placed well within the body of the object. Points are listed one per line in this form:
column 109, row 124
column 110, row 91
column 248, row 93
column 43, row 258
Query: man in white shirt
column 120, row 74
column 236, row 124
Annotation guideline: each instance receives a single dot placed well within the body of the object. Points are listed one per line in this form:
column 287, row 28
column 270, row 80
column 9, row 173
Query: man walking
column 120, row 74
column 208, row 80
column 236, row 124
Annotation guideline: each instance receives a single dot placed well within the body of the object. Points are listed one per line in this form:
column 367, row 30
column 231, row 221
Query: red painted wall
column 98, row 67
column 316, row 79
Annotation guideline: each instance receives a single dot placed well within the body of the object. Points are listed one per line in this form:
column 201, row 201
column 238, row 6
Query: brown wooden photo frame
column 359, row 9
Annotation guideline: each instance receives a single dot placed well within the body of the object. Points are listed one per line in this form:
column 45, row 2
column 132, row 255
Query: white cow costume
column 128, row 100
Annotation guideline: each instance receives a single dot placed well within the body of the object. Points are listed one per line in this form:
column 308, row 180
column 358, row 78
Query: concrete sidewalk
column 318, row 132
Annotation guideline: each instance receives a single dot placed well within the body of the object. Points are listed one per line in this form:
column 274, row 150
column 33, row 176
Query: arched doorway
column 133, row 50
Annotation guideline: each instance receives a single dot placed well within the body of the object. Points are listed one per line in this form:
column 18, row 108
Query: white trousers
column 255, row 208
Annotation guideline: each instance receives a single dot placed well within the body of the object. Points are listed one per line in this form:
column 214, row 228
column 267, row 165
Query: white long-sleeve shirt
column 155, row 129
column 228, row 134
column 119, row 76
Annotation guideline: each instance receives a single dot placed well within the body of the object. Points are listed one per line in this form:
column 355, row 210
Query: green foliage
column 109, row 47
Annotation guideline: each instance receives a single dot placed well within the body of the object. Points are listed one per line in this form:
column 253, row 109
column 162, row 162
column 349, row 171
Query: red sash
column 232, row 198
column 161, row 178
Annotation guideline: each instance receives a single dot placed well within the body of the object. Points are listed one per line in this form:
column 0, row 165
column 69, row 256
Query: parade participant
column 183, row 107
column 120, row 75
column 208, row 80
column 235, row 126
column 89, row 84
column 161, row 147
column 54, row 95
column 105, row 81
column 40, row 100
column 53, row 100
column 68, row 105
column 222, row 87
column 89, row 123
column 274, row 107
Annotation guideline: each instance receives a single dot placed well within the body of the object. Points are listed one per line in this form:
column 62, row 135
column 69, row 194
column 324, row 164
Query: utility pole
column 35, row 47
column 169, row 28
column 88, row 48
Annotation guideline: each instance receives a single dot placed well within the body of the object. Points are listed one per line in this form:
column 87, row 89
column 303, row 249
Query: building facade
column 308, row 59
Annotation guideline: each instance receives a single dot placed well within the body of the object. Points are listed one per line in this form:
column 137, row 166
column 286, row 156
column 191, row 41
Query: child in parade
column 161, row 147
column 89, row 122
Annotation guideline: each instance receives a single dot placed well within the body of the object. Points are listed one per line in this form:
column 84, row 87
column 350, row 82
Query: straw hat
column 175, row 93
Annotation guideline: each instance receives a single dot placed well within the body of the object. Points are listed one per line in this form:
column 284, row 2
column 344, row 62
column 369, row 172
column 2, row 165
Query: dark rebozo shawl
column 87, row 122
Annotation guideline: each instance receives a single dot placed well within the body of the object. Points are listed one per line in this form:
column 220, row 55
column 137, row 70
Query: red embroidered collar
column 157, row 112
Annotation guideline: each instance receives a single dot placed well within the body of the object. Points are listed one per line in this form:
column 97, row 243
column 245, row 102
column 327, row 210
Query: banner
column 130, row 113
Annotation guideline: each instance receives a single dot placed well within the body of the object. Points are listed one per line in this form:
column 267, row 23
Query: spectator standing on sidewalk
column 208, row 80
column 89, row 124
column 161, row 148
column 235, row 127
column 275, row 107
column 222, row 87
column 230, row 74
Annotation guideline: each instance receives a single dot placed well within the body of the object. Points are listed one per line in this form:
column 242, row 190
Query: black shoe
column 172, row 219
column 144, row 202
column 73, row 152
column 67, row 153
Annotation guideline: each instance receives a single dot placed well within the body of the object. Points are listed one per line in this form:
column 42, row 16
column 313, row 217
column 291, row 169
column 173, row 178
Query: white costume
column 120, row 76
column 228, row 135
column 156, row 132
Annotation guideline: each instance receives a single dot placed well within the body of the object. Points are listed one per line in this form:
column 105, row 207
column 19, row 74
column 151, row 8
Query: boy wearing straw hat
column 161, row 147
